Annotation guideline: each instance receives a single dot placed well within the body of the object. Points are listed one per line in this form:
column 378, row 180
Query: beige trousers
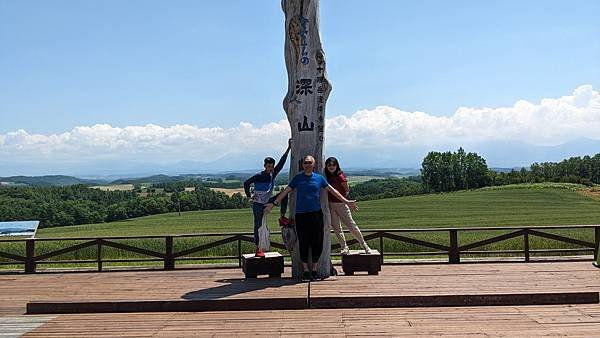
column 340, row 213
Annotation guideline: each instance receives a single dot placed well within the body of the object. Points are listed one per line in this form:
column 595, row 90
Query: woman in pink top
column 340, row 213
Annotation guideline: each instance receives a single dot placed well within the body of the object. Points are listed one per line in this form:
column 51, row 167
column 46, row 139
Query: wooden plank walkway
column 453, row 279
column 524, row 321
column 410, row 280
column 16, row 290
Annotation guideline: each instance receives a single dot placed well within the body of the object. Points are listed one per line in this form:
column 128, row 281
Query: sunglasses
column 308, row 162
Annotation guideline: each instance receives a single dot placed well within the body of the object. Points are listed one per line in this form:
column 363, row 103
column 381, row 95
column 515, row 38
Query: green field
column 114, row 187
column 352, row 180
column 539, row 204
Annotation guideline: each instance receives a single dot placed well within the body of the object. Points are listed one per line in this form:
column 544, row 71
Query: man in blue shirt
column 309, row 216
column 264, row 183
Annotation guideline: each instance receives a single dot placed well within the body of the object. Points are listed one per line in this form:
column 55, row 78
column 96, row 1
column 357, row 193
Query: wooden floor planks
column 573, row 320
column 466, row 279
column 443, row 279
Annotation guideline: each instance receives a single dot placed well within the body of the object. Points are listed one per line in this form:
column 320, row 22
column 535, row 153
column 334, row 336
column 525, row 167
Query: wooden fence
column 169, row 256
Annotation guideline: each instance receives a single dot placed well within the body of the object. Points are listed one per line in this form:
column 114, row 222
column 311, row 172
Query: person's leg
column 316, row 237
column 258, row 211
column 302, row 232
column 346, row 218
column 336, row 225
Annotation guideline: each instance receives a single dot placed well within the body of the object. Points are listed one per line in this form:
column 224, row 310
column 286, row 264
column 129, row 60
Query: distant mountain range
column 375, row 161
column 520, row 154
column 61, row 180
column 156, row 179
column 48, row 180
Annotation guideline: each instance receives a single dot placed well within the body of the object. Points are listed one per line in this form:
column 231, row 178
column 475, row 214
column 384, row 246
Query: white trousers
column 340, row 213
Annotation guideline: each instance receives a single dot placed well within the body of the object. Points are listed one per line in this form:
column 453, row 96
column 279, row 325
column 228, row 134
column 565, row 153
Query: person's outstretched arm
column 283, row 158
column 351, row 203
column 278, row 199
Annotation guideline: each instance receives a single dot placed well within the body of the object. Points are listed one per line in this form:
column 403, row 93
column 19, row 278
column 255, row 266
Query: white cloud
column 549, row 122
column 163, row 144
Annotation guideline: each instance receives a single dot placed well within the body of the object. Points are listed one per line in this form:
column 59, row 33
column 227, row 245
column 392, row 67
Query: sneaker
column 345, row 250
column 367, row 249
column 314, row 275
column 306, row 276
column 259, row 253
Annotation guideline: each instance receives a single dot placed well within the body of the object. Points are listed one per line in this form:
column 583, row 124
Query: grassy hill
column 531, row 204
column 538, row 204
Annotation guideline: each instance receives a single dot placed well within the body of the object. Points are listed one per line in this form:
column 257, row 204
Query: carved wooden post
column 304, row 104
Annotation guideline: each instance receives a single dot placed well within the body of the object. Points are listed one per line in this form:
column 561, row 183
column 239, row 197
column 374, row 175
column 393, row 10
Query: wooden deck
column 16, row 290
column 524, row 321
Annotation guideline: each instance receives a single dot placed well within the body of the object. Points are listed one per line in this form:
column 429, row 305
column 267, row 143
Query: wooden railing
column 169, row 256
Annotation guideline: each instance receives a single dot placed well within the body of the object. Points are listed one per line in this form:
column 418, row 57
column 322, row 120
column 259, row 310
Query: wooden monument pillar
column 304, row 103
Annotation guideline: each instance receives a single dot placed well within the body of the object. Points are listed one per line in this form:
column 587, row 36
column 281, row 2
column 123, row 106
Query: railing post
column 239, row 252
column 526, row 244
column 453, row 255
column 596, row 241
column 99, row 255
column 381, row 246
column 169, row 259
column 30, row 256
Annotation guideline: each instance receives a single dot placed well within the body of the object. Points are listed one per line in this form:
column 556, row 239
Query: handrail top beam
column 366, row 230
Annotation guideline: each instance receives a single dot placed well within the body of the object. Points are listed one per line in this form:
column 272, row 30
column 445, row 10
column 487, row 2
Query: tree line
column 582, row 170
column 386, row 188
column 79, row 204
column 440, row 172
column 452, row 171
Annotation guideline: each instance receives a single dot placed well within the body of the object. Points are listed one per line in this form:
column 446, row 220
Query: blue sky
column 68, row 64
